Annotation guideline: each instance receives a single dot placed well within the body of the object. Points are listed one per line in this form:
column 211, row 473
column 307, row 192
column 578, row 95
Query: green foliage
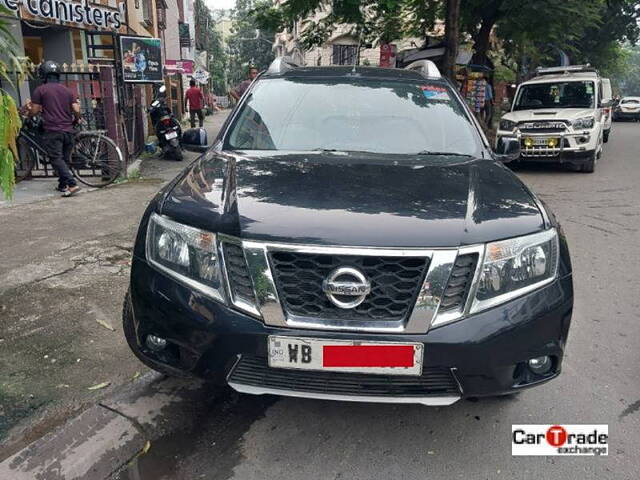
column 628, row 82
column 209, row 39
column 527, row 31
column 245, row 47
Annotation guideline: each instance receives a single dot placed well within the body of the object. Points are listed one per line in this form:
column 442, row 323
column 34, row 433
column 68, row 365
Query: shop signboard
column 141, row 59
column 78, row 14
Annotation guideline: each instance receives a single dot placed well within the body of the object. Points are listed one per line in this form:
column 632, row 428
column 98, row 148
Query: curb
column 105, row 438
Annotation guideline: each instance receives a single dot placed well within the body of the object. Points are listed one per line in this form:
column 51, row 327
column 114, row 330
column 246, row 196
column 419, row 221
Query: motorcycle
column 166, row 126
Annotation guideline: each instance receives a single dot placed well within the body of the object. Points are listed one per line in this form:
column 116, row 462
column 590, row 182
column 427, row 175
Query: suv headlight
column 507, row 125
column 585, row 122
column 186, row 253
column 514, row 267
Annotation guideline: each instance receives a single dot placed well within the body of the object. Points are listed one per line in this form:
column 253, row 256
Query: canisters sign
column 65, row 12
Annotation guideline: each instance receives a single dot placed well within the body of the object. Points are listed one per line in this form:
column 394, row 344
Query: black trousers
column 192, row 115
column 59, row 146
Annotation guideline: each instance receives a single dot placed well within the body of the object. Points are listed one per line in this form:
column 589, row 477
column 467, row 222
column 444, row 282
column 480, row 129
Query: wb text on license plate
column 345, row 356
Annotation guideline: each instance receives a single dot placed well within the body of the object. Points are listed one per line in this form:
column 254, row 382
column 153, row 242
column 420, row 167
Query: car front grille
column 240, row 283
column 395, row 283
column 254, row 371
column 455, row 295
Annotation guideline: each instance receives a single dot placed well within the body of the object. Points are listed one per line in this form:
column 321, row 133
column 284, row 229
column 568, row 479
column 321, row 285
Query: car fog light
column 583, row 139
column 528, row 142
column 552, row 142
column 540, row 365
column 155, row 343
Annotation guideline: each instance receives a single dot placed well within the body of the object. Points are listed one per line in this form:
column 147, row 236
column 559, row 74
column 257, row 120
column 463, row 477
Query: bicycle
column 96, row 160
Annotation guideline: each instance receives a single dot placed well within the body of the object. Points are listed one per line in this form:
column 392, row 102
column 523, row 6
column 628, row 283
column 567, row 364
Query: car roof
column 349, row 72
column 630, row 98
column 572, row 77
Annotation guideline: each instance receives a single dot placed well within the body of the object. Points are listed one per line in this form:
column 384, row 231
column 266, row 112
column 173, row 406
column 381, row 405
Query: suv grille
column 254, row 371
column 237, row 272
column 395, row 282
column 459, row 284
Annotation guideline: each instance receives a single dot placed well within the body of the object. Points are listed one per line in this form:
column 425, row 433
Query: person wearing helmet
column 59, row 109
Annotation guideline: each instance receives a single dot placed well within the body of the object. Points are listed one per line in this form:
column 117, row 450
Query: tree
column 452, row 34
column 210, row 40
column 250, row 43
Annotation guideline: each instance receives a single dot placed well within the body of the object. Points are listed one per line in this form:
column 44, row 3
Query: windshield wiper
column 430, row 152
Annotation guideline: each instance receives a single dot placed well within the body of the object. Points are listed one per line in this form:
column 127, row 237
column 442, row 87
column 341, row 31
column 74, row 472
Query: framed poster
column 141, row 59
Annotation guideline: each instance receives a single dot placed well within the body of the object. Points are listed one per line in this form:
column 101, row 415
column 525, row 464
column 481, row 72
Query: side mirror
column 508, row 149
column 195, row 140
column 606, row 103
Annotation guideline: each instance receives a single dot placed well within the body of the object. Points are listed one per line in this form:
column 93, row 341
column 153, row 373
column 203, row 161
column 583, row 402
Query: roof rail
column 281, row 65
column 426, row 67
column 566, row 69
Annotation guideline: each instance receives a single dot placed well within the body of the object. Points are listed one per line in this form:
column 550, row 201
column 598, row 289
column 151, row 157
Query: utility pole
column 452, row 33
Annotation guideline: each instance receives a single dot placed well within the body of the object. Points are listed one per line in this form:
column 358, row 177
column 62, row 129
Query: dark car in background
column 351, row 236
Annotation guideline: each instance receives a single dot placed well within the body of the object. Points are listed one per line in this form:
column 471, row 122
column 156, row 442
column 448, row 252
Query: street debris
column 105, row 324
column 99, row 386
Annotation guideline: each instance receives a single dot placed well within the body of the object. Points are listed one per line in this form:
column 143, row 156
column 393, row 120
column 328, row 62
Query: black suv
column 351, row 236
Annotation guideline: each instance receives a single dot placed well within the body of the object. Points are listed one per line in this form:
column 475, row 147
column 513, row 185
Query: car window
column 556, row 95
column 630, row 100
column 378, row 116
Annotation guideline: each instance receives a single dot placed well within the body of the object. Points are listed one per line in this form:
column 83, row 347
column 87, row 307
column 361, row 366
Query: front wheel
column 590, row 165
column 96, row 160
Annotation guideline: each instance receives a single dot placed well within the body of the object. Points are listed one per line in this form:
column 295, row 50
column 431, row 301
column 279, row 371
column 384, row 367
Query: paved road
column 241, row 437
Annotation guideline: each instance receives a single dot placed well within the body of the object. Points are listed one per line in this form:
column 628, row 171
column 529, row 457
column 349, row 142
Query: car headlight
column 507, row 125
column 514, row 267
column 585, row 122
column 186, row 253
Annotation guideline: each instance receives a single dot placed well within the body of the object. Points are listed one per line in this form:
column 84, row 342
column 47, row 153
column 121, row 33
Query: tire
column 605, row 136
column 96, row 160
column 132, row 340
column 590, row 165
column 178, row 155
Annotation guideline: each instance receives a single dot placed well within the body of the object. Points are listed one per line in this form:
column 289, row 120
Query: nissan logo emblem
column 346, row 287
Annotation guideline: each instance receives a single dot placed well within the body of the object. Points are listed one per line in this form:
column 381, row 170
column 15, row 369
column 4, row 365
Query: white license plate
column 346, row 356
column 171, row 135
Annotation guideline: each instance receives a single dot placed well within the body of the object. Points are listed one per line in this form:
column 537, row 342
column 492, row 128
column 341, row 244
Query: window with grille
column 345, row 54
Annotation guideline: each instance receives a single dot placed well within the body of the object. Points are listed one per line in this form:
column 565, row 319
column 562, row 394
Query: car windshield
column 630, row 100
column 555, row 95
column 378, row 116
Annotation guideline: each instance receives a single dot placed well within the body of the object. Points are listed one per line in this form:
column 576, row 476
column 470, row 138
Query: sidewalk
column 157, row 167
column 38, row 189
column 63, row 276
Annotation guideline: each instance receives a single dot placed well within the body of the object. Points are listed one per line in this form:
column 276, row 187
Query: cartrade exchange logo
column 559, row 440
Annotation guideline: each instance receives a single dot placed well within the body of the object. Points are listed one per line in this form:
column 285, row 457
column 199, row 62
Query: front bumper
column 486, row 352
column 572, row 147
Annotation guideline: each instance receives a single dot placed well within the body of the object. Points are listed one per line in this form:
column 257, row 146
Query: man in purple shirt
column 237, row 92
column 59, row 109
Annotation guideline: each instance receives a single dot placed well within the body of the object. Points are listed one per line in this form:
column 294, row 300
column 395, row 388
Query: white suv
column 558, row 117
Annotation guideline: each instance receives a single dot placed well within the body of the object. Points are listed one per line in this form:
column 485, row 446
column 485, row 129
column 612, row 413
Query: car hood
column 548, row 114
column 351, row 199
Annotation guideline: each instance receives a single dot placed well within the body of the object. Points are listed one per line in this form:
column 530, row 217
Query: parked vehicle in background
column 627, row 109
column 558, row 117
column 166, row 126
column 607, row 108
column 351, row 236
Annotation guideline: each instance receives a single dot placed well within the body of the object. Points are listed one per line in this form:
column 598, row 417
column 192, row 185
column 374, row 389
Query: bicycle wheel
column 27, row 160
column 96, row 160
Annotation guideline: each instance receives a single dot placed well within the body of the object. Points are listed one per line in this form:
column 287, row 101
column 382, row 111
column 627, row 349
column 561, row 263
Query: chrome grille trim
column 422, row 316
